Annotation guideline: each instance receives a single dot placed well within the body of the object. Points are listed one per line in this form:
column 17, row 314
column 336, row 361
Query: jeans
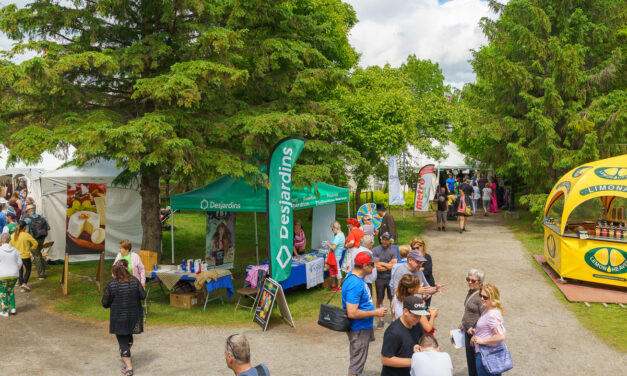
column 481, row 371
column 25, row 271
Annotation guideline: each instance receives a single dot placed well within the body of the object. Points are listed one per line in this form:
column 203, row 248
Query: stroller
column 165, row 215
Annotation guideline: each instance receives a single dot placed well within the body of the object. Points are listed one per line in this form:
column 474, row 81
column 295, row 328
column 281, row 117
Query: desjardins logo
column 607, row 259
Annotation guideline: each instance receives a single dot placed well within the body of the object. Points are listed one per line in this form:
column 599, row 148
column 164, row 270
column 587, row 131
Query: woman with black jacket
column 123, row 295
column 427, row 267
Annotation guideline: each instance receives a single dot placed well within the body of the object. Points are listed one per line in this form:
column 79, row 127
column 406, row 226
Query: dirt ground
column 544, row 337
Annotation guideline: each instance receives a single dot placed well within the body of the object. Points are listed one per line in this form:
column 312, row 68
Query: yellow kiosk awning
column 604, row 178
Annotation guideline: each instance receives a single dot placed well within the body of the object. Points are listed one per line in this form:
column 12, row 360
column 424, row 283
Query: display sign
column 86, row 218
column 394, row 184
column 279, row 204
column 271, row 291
column 424, row 188
column 220, row 243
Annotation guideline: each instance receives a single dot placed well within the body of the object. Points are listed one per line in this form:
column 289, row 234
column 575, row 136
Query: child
column 428, row 360
column 135, row 265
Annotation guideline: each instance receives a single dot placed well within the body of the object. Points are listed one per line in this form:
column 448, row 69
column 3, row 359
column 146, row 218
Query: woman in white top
column 486, row 199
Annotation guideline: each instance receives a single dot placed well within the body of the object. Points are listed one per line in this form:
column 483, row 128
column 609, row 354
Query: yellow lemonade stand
column 585, row 229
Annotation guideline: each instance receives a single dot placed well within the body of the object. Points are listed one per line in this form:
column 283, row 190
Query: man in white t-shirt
column 428, row 360
column 365, row 245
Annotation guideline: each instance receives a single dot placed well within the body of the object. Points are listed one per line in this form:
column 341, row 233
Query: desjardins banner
column 280, row 207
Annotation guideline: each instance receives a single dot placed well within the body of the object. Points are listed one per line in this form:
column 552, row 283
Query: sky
column 443, row 31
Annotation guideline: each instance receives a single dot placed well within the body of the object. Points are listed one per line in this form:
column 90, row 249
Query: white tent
column 123, row 207
column 30, row 172
column 454, row 159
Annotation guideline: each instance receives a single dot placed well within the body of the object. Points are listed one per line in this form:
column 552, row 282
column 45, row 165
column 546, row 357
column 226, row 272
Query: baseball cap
column 415, row 306
column 386, row 235
column 413, row 254
column 362, row 259
column 30, row 207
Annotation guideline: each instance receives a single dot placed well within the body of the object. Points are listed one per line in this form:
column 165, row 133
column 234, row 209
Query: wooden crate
column 149, row 259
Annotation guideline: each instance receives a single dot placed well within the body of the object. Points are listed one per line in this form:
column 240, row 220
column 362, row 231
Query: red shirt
column 355, row 234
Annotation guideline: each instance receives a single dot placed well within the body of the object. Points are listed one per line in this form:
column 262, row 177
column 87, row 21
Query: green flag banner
column 280, row 207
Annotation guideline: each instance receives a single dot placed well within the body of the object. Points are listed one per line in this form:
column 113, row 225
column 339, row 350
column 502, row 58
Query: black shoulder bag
column 334, row 318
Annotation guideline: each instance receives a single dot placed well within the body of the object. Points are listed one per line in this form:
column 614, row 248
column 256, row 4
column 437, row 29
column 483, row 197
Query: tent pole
column 256, row 239
column 172, row 235
column 348, row 204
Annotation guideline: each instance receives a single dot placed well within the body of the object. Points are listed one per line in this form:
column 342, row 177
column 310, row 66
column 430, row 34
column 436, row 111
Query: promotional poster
column 86, row 218
column 220, row 244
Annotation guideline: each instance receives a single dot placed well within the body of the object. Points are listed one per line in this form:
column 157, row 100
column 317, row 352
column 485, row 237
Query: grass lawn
column 610, row 324
column 84, row 298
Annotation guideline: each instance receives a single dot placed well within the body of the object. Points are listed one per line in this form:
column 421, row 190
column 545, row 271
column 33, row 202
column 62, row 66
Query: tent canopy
column 454, row 159
column 606, row 177
column 235, row 195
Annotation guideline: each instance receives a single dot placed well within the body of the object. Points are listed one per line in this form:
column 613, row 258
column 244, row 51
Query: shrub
column 535, row 203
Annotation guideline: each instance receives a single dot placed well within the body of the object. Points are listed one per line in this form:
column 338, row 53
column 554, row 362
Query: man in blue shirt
column 450, row 183
column 357, row 301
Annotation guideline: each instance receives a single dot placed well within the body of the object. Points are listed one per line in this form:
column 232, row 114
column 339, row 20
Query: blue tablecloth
column 224, row 282
column 298, row 276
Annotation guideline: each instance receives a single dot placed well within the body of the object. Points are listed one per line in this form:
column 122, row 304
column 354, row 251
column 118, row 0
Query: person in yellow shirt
column 24, row 243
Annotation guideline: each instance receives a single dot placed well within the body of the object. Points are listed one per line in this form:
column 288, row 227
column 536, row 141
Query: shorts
column 441, row 216
column 383, row 285
column 461, row 214
column 359, row 341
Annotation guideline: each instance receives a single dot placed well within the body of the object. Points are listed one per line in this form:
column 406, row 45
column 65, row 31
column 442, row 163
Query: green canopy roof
column 235, row 195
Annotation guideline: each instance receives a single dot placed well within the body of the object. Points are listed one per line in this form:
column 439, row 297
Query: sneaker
column 439, row 229
column 13, row 311
column 4, row 314
column 443, row 228
column 41, row 278
column 25, row 287
column 380, row 324
column 460, row 231
column 336, row 289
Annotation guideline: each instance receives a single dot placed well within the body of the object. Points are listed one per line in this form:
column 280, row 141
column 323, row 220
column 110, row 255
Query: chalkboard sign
column 271, row 291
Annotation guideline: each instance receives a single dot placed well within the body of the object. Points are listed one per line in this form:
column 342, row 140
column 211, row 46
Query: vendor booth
column 236, row 195
column 585, row 227
column 87, row 213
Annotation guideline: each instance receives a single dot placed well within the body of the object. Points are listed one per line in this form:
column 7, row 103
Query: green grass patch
column 189, row 242
column 610, row 324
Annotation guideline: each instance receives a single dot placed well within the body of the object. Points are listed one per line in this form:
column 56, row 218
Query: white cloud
column 388, row 31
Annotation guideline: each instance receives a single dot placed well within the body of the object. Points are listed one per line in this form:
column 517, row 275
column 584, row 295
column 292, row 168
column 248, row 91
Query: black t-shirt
column 467, row 188
column 442, row 203
column 399, row 341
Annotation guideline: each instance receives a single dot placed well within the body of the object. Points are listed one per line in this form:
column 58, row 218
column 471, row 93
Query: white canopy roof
column 48, row 161
column 454, row 159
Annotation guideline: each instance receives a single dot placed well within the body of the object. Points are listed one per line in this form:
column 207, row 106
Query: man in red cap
column 353, row 240
column 357, row 301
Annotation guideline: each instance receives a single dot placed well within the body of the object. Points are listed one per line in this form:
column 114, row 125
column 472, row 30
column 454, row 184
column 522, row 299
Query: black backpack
column 38, row 227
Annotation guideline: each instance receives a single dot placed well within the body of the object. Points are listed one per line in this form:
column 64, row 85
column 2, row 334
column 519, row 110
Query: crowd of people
column 462, row 196
column 21, row 244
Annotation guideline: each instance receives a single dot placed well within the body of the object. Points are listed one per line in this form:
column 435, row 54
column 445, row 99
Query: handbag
column 496, row 359
column 333, row 317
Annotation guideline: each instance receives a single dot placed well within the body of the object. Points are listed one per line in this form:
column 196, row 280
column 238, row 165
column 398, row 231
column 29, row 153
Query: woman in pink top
column 300, row 241
column 135, row 265
column 494, row 206
column 489, row 329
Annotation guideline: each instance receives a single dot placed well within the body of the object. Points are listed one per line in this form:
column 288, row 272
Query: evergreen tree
column 194, row 89
column 550, row 90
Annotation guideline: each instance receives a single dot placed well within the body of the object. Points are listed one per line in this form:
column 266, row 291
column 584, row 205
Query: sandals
column 127, row 372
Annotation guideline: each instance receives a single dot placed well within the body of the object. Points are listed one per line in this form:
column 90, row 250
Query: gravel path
column 544, row 337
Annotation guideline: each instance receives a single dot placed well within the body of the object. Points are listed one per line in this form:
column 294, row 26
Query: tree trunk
column 357, row 199
column 151, row 223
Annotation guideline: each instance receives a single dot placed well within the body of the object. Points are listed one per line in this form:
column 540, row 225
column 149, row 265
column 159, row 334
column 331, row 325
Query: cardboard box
column 187, row 300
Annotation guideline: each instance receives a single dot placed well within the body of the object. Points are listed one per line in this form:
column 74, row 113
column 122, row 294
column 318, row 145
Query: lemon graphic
column 611, row 171
column 602, row 256
column 616, row 258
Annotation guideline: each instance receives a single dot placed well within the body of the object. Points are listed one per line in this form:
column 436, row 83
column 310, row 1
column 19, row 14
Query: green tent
column 235, row 195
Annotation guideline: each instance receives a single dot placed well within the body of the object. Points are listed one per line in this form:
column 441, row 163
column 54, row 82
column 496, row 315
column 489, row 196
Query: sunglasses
column 484, row 297
column 471, row 280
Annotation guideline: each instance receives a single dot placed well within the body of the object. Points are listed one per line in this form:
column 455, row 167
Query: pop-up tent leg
column 172, row 234
column 256, row 239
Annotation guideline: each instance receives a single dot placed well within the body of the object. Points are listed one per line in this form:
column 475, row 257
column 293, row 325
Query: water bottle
column 183, row 266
